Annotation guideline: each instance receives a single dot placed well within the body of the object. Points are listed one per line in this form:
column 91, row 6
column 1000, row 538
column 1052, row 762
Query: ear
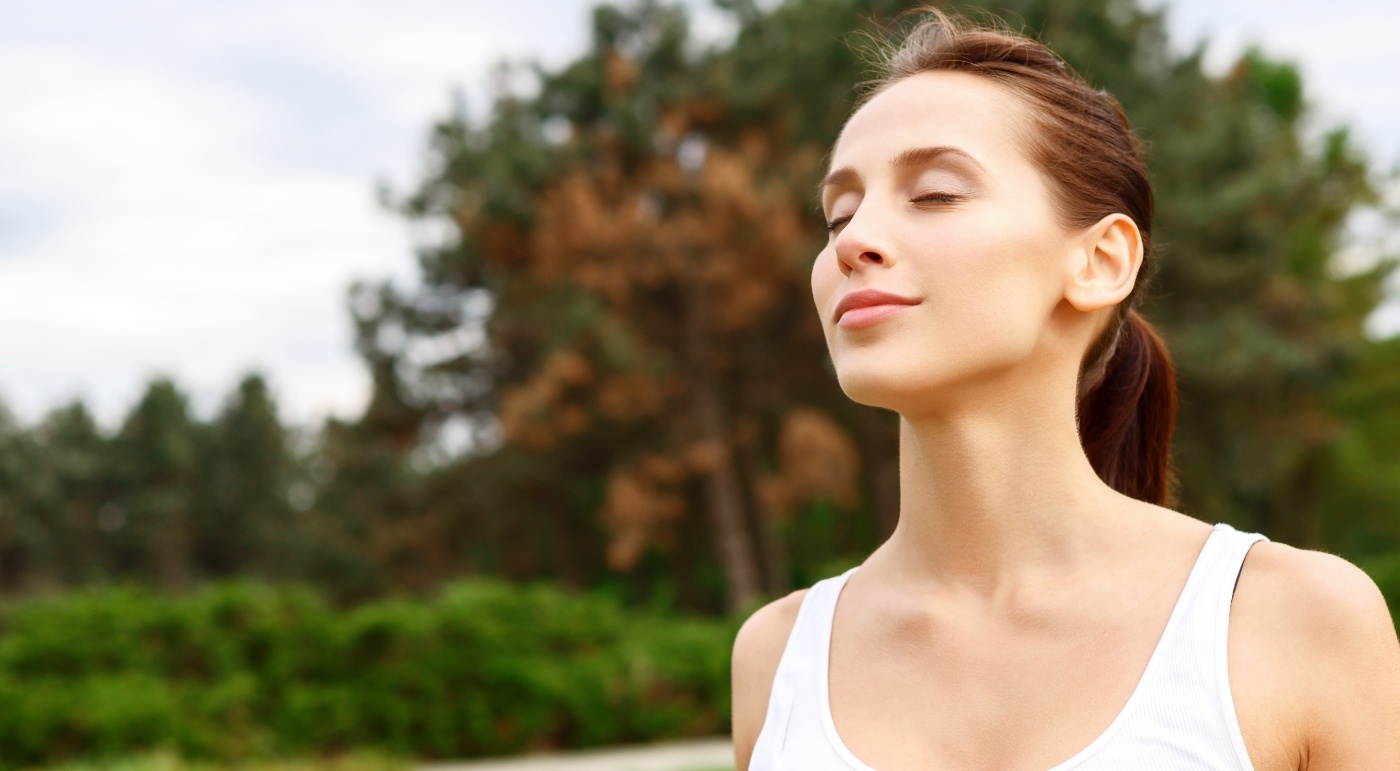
column 1104, row 263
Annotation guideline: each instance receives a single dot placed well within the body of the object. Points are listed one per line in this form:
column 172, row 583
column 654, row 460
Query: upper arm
column 1325, row 633
column 757, row 650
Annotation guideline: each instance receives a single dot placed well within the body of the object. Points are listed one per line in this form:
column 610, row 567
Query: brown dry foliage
column 629, row 396
column 643, row 501
column 724, row 228
column 546, row 408
column 817, row 462
column 638, row 241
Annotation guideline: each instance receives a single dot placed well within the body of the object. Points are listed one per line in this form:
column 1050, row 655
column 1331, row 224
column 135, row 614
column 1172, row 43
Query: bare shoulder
column 1318, row 601
column 757, row 650
column 1314, row 661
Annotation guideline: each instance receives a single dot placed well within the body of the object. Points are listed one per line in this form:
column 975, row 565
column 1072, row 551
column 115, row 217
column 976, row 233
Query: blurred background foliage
column 609, row 379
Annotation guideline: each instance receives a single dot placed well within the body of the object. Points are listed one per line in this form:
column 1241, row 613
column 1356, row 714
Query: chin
column 936, row 380
column 888, row 376
column 891, row 389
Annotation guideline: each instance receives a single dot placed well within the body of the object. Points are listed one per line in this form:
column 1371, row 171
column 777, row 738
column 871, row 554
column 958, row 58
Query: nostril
column 873, row 257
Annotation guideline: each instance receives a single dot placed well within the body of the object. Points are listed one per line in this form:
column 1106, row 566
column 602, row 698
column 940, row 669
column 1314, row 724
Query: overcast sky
column 187, row 188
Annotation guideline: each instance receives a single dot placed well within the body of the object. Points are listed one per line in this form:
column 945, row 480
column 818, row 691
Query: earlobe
column 1105, row 264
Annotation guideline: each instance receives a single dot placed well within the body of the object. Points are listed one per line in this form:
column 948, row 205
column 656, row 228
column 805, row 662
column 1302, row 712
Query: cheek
column 992, row 284
column 826, row 282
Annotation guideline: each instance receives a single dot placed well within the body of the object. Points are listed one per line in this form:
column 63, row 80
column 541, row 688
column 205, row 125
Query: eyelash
column 832, row 225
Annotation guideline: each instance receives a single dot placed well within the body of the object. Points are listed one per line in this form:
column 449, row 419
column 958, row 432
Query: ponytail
column 1126, row 416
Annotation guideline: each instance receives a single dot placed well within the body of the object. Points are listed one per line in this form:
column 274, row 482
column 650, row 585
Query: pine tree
column 153, row 460
column 240, row 507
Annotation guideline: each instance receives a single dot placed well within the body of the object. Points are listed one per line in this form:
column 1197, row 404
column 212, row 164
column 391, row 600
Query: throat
column 981, row 501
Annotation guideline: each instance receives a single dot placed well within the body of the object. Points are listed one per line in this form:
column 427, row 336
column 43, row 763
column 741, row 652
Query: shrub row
column 241, row 670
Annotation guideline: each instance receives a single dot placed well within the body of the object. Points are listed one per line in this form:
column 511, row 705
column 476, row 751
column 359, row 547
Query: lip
column 869, row 306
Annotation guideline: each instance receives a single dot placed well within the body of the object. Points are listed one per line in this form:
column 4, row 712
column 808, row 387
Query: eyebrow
column 913, row 157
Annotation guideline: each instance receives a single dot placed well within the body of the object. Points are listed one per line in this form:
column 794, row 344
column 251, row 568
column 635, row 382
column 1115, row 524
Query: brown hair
column 1080, row 139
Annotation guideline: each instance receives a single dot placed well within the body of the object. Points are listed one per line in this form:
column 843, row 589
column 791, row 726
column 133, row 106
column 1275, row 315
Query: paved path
column 705, row 755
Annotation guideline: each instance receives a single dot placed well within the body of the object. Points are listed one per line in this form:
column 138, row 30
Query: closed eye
column 938, row 198
column 832, row 225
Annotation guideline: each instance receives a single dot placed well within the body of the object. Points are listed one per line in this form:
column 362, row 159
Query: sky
column 189, row 187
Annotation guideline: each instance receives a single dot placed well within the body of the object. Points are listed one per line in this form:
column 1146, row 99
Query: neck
column 992, row 492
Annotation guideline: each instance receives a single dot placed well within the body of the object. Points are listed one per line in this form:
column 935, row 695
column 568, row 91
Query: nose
column 859, row 245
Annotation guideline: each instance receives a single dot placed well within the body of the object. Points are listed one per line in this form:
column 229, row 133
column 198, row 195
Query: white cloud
column 192, row 193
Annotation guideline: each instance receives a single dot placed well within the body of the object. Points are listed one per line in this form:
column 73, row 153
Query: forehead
column 958, row 109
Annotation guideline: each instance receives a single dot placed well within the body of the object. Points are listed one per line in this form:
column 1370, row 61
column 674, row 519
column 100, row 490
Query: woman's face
column 933, row 198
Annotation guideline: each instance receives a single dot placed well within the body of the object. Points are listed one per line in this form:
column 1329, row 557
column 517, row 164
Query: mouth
column 869, row 315
column 864, row 307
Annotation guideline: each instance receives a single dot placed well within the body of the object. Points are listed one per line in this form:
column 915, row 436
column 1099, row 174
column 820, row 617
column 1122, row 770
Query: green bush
column 239, row 671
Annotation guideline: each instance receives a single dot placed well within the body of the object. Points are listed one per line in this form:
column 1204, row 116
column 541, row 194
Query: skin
column 1009, row 617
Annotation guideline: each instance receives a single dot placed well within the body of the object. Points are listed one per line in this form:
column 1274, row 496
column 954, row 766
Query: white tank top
column 1180, row 715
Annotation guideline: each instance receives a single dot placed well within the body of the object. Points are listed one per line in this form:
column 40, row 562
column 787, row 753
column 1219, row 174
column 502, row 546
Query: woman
column 1036, row 607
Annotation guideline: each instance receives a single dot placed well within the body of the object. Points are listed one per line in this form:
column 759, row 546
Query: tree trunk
column 723, row 495
column 776, row 564
column 565, row 541
column 879, row 449
column 724, row 503
column 171, row 544
column 756, row 398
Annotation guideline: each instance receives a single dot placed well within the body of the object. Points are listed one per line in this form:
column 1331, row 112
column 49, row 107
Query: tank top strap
column 811, row 633
column 1185, row 696
column 1199, row 634
column 797, row 697
column 1234, row 550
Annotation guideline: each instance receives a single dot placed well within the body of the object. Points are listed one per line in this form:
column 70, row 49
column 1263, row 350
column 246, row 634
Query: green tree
column 1360, row 488
column 15, row 470
column 645, row 268
column 639, row 232
column 153, row 462
column 68, row 490
column 51, row 488
column 1261, row 326
column 240, row 506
